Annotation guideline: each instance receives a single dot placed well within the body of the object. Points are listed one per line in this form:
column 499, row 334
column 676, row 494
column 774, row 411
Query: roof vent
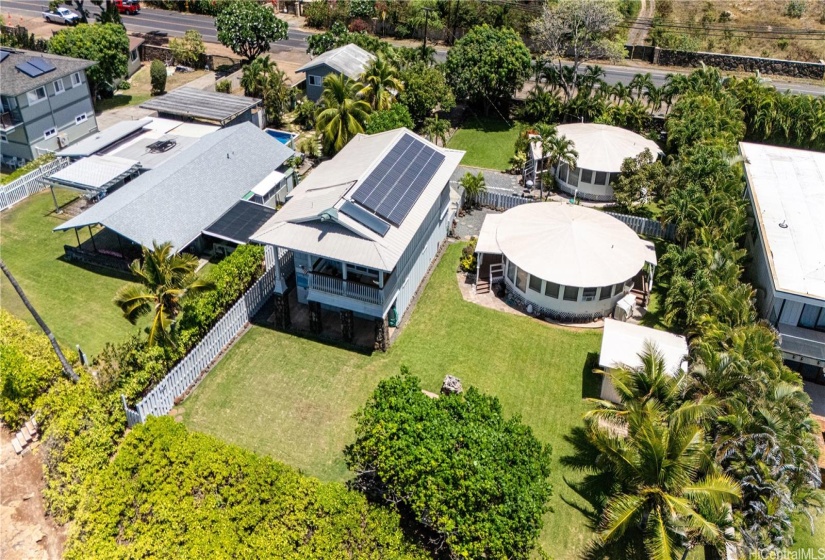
column 783, row 224
column 329, row 215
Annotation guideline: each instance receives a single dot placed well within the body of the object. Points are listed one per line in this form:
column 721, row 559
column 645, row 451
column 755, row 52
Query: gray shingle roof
column 200, row 104
column 176, row 201
column 15, row 82
column 350, row 60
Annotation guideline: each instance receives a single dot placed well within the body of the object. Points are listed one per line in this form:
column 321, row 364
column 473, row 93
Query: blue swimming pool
column 281, row 136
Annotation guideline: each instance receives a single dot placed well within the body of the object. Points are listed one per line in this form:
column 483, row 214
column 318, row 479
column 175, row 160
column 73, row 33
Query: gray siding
column 321, row 71
column 133, row 65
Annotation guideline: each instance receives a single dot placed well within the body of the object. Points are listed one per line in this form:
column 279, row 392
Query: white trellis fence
column 30, row 183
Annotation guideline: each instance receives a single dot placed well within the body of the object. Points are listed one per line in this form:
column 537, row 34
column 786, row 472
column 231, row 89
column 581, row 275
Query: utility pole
column 426, row 24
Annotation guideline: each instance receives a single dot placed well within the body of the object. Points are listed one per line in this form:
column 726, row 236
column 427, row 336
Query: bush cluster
column 28, row 168
column 157, row 75
column 176, row 494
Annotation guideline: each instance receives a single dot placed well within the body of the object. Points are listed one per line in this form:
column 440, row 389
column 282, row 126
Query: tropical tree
column 341, row 112
column 262, row 78
column 473, row 186
column 541, row 106
column 381, row 84
column 165, row 279
column 105, row 43
column 396, row 116
column 248, row 28
column 437, row 129
column 425, row 91
column 558, row 150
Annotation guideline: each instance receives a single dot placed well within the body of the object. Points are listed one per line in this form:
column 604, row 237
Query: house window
column 80, row 118
column 601, row 178
column 521, row 280
column 58, row 87
column 36, row 95
column 605, row 292
column 563, row 172
column 613, row 178
column 133, row 55
column 76, row 81
column 571, row 293
column 314, row 80
column 573, row 178
column 511, row 271
column 812, row 317
column 589, row 294
column 50, row 132
column 618, row 289
column 551, row 289
column 535, row 284
column 587, row 176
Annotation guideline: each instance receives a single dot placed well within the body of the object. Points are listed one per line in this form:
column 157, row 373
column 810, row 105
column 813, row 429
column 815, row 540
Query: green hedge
column 170, row 493
column 28, row 168
column 28, row 367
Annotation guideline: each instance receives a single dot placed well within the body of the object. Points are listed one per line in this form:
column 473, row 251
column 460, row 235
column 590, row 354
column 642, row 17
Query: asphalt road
column 176, row 23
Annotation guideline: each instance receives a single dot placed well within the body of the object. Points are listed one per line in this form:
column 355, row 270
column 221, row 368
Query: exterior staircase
column 26, row 436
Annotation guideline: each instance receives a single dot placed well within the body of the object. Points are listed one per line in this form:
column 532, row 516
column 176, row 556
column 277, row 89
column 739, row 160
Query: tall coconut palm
column 341, row 112
column 639, row 83
column 381, row 84
column 560, row 149
column 164, row 279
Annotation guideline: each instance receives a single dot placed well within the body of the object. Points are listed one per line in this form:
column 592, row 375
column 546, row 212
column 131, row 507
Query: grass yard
column 489, row 142
column 140, row 89
column 75, row 302
column 294, row 398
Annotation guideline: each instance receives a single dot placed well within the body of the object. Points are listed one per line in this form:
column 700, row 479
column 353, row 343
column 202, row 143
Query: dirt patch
column 25, row 530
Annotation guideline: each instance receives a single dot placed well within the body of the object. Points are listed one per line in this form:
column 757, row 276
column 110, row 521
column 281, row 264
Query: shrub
column 28, row 367
column 395, row 117
column 123, row 85
column 469, row 262
column 305, row 114
column 310, row 147
column 358, row 25
column 172, row 493
column 795, row 9
column 317, row 14
column 224, row 86
column 188, row 49
column 475, row 481
column 28, row 168
column 157, row 74
column 363, row 9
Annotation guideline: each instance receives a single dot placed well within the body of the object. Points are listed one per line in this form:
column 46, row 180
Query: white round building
column 569, row 262
column 602, row 149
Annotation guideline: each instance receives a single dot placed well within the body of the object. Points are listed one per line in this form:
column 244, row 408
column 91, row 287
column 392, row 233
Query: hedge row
column 171, row 493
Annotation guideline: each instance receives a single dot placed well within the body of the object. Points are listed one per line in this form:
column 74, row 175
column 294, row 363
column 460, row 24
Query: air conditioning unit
column 62, row 140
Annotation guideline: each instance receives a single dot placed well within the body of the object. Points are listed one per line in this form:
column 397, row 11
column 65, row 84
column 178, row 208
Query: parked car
column 63, row 16
column 131, row 7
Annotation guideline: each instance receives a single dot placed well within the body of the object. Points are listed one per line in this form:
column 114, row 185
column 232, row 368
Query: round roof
column 603, row 147
column 570, row 245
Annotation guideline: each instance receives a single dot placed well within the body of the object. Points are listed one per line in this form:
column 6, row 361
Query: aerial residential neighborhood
column 412, row 279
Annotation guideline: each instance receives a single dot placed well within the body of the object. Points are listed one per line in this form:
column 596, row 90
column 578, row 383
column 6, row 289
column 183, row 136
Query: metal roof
column 16, row 82
column 268, row 183
column 602, row 147
column 95, row 173
column 240, row 222
column 622, row 344
column 297, row 226
column 200, row 104
column 350, row 60
column 177, row 200
column 104, row 138
column 569, row 244
column 788, row 193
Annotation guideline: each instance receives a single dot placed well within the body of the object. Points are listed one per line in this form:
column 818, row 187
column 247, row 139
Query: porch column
column 283, row 320
column 92, row 237
column 478, row 272
column 347, row 325
column 344, row 275
column 315, row 325
column 381, row 279
column 381, row 334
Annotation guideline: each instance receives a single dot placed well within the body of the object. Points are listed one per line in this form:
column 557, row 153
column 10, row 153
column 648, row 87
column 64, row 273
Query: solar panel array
column 34, row 67
column 241, row 221
column 397, row 182
column 363, row 217
column 4, row 55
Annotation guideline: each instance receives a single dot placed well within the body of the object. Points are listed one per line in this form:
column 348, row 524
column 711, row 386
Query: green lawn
column 293, row 398
column 75, row 302
column 489, row 142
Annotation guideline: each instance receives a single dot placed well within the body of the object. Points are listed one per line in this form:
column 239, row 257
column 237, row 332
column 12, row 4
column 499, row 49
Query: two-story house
column 358, row 235
column 786, row 189
column 46, row 103
column 349, row 60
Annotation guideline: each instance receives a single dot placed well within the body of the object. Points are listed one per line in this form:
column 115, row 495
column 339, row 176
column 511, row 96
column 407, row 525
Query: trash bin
column 392, row 318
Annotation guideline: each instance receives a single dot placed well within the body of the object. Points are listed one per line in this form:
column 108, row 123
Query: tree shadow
column 591, row 382
column 492, row 123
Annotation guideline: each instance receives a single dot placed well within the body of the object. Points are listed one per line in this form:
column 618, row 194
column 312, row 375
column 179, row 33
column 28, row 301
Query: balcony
column 8, row 120
column 798, row 341
column 351, row 289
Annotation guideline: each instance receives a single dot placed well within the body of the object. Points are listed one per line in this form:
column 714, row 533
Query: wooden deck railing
column 345, row 288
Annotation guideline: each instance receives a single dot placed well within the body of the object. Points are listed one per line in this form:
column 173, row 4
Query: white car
column 62, row 16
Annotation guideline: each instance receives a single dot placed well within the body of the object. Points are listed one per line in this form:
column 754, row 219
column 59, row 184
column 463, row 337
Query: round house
column 567, row 262
column 602, row 149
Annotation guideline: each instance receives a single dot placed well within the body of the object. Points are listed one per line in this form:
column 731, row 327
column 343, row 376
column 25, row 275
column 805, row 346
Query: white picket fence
column 499, row 201
column 161, row 399
column 30, row 183
column 644, row 226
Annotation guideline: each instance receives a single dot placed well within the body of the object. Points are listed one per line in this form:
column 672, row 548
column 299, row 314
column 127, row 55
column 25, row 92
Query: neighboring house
column 624, row 343
column 359, row 233
column 349, row 60
column 210, row 107
column 134, row 56
column 181, row 198
column 786, row 189
column 46, row 104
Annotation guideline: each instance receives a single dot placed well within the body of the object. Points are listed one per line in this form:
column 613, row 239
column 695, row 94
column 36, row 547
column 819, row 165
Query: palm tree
column 558, row 150
column 473, row 186
column 341, row 113
column 262, row 78
column 381, row 84
column 67, row 367
column 639, row 83
column 436, row 129
column 165, row 279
